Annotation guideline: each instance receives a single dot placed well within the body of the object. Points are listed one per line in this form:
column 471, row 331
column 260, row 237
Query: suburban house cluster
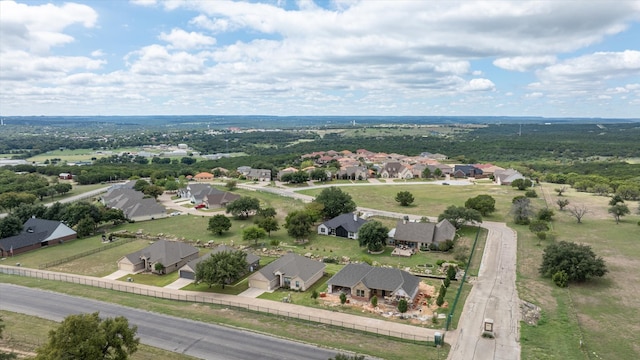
column 133, row 203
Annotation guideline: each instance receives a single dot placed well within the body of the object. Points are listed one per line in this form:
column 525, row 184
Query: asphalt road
column 494, row 296
column 198, row 339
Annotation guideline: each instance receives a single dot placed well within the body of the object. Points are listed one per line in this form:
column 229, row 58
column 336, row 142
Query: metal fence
column 212, row 299
column 86, row 253
column 464, row 278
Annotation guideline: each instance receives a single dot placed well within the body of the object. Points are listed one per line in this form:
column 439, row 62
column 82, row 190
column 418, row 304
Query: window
column 297, row 284
column 360, row 293
column 323, row 230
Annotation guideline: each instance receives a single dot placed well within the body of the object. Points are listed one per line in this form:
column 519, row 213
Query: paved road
column 494, row 295
column 198, row 339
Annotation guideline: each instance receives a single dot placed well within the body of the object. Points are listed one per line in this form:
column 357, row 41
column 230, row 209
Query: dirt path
column 494, row 295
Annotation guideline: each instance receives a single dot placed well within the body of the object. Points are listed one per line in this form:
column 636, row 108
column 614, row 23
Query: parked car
column 445, row 183
column 200, row 206
column 175, row 213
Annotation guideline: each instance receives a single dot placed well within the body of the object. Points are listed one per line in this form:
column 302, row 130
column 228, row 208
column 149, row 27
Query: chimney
column 355, row 216
column 405, row 219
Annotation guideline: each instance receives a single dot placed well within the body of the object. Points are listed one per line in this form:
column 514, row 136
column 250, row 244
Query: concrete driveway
column 252, row 293
column 179, row 284
column 116, row 275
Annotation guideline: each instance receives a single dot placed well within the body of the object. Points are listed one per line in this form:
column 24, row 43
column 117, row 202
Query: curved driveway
column 194, row 338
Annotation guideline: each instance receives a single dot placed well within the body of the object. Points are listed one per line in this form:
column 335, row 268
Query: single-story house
column 145, row 209
column 289, row 271
column 506, row 177
column 65, row 176
column 36, row 233
column 345, row 225
column 353, row 172
column 189, row 270
column 258, row 175
column 203, row 176
column 289, row 170
column 364, row 281
column 461, row 171
column 171, row 254
column 418, row 234
column 219, row 199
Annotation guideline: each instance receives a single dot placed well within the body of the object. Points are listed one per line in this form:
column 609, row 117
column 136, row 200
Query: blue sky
column 344, row 57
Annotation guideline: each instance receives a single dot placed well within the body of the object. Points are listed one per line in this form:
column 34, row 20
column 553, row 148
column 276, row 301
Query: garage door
column 259, row 284
column 185, row 274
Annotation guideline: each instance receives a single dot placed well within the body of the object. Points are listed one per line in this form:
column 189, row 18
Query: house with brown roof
column 171, row 254
column 290, row 271
column 203, row 176
column 364, row 281
column 395, row 170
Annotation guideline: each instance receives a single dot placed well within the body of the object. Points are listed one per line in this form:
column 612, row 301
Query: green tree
column 153, row 190
column 267, row 212
column 10, row 226
column 451, row 272
column 405, row 198
column 221, row 268
column 159, row 268
column 618, row 211
column 218, row 224
column 231, row 185
column 629, row 191
column 298, row 224
column 373, row 235
column 458, row 216
column 615, row 200
column 254, row 233
column 561, row 279
column 115, row 215
column 579, row 262
column 403, row 306
column 319, row 175
column 562, row 203
column 86, row 336
column 335, row 202
column 374, row 301
column 545, row 214
column 521, row 210
column 538, row 226
column 426, row 173
column 437, row 173
column 62, row 188
column 243, row 207
column 485, row 204
column 521, row 184
column 188, row 160
column 268, row 224
column 140, row 185
column 85, row 227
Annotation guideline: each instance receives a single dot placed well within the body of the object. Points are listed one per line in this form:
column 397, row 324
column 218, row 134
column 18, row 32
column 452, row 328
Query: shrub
column 440, row 262
column 367, row 260
column 440, row 300
column 274, row 242
column 446, row 282
column 531, row 194
column 560, row 278
column 545, row 214
column 433, row 247
column 445, row 245
column 314, row 294
column 374, row 301
column 343, row 298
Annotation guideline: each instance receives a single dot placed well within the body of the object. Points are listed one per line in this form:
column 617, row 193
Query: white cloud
column 534, row 95
column 479, row 85
column 524, row 63
column 595, row 67
column 180, row 39
column 144, row 2
column 97, row 53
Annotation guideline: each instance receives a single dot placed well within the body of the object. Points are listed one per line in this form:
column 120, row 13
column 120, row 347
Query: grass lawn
column 603, row 312
column 153, row 279
column 430, row 200
column 26, row 333
column 332, row 337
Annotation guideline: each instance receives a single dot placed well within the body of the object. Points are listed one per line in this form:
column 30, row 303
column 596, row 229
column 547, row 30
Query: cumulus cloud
column 524, row 63
column 180, row 39
column 479, row 85
column 594, row 67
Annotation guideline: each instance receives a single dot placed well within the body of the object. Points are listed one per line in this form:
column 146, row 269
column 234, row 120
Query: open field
column 26, row 333
column 430, row 200
column 331, row 337
column 602, row 313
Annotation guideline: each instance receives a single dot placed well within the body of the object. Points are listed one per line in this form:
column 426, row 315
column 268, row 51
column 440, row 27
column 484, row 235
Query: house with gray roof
column 220, row 199
column 345, row 225
column 418, row 234
column 395, row 170
column 364, row 281
column 189, row 270
column 506, row 177
column 144, row 209
column 171, row 254
column 35, row 234
column 290, row 271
